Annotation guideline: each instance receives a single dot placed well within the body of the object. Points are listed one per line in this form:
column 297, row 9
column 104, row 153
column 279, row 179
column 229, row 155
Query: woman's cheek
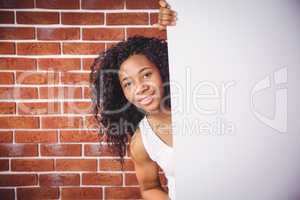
column 129, row 96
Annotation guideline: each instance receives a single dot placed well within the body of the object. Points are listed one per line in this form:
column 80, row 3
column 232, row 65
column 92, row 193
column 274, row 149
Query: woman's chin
column 152, row 108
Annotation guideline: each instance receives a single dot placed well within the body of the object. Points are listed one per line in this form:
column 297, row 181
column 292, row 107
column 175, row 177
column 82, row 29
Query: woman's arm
column 146, row 171
column 155, row 193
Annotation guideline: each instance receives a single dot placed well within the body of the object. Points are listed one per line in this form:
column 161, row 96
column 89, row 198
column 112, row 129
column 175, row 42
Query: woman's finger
column 162, row 28
column 164, row 4
column 167, row 17
column 159, row 26
column 165, row 11
column 167, row 22
column 160, row 15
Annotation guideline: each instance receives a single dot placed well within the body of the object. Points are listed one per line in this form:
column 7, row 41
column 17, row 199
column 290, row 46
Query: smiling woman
column 131, row 95
column 132, row 103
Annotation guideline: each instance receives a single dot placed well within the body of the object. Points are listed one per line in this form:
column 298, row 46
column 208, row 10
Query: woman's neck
column 161, row 116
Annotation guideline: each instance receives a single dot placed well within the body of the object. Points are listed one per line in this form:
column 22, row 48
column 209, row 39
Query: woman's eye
column 147, row 74
column 127, row 84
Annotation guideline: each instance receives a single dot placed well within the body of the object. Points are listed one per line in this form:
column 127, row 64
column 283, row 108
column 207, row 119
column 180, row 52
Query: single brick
column 82, row 193
column 26, row 17
column 145, row 4
column 16, row 3
column 61, row 122
column 14, row 150
column 25, row 93
column 18, row 93
column 102, row 4
column 83, row 48
column 79, row 136
column 7, row 17
column 76, row 165
column 35, row 136
column 6, row 136
column 37, row 193
column 7, row 194
column 17, row 63
column 7, row 47
column 60, row 93
column 18, row 179
column 7, row 78
column 16, row 33
column 127, row 19
column 61, row 150
column 103, row 34
column 4, row 165
column 59, row 64
column 58, row 33
column 38, row 48
column 7, row 107
column 37, row 78
column 32, row 165
column 153, row 18
column 75, row 78
column 112, row 179
column 82, row 18
column 77, row 107
column 122, row 193
column 38, row 108
column 59, row 179
column 19, row 122
column 101, row 150
column 58, row 4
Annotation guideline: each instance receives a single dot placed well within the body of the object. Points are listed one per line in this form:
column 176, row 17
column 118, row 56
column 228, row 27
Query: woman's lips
column 146, row 100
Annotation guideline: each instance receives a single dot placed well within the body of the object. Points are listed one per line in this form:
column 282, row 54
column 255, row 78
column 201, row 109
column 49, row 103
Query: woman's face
column 141, row 83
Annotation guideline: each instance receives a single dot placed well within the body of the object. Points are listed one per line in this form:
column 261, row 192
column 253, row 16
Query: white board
column 235, row 83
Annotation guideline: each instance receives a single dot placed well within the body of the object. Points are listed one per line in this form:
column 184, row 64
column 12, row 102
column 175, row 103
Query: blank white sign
column 235, row 83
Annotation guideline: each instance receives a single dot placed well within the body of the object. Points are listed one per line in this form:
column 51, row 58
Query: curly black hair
column 117, row 117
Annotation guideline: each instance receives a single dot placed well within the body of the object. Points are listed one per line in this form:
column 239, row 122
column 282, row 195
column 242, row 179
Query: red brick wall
column 49, row 147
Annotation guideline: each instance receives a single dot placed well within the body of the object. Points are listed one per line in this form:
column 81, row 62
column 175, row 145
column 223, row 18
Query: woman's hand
column 166, row 16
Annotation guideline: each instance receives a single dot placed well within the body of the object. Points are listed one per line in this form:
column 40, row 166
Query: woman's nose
column 141, row 89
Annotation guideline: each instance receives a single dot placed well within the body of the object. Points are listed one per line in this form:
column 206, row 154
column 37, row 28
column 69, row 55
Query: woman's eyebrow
column 140, row 71
column 143, row 69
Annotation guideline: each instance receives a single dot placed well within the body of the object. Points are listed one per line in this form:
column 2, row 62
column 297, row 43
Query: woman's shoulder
column 137, row 148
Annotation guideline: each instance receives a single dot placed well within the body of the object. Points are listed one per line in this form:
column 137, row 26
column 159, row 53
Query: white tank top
column 159, row 152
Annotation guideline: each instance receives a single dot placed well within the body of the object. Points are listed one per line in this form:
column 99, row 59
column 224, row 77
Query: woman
column 130, row 83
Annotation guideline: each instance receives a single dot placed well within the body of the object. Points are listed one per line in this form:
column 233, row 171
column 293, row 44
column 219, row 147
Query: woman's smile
column 146, row 100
